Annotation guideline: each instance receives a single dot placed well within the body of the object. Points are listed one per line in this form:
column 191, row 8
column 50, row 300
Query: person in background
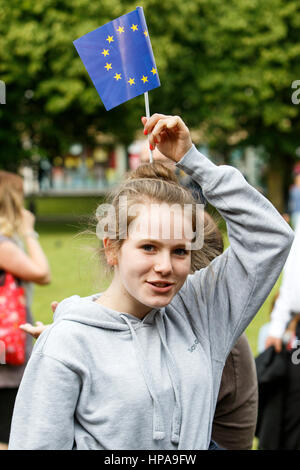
column 288, row 301
column 278, row 371
column 17, row 234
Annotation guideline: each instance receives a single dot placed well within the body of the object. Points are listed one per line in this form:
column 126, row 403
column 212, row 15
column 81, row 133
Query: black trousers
column 7, row 402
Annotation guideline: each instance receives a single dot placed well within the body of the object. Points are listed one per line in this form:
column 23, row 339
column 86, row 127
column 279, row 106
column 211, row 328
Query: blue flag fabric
column 119, row 59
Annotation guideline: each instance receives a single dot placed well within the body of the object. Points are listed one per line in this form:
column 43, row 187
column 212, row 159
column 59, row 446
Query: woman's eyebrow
column 157, row 242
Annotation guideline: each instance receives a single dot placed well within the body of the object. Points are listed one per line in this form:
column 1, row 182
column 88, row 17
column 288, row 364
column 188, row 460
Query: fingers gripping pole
column 148, row 115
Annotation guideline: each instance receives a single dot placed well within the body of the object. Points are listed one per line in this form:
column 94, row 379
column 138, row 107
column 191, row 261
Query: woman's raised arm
column 222, row 299
column 31, row 267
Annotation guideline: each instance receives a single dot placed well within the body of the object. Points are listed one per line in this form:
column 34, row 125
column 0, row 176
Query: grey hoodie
column 102, row 379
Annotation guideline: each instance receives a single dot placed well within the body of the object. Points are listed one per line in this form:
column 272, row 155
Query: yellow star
column 107, row 66
column 105, row 52
column 154, row 71
column 134, row 27
column 110, row 39
column 146, row 34
column 131, row 81
column 118, row 76
column 121, row 29
column 144, row 79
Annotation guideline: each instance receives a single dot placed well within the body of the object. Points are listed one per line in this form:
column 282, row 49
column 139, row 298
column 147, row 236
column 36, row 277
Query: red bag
column 12, row 315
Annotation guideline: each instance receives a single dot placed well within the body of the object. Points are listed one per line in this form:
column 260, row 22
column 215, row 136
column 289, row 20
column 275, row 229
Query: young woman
column 17, row 229
column 138, row 366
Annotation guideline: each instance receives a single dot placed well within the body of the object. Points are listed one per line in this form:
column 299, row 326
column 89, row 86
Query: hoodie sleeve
column 223, row 298
column 43, row 417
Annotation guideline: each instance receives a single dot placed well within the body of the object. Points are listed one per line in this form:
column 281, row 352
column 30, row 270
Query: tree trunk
column 279, row 178
column 275, row 185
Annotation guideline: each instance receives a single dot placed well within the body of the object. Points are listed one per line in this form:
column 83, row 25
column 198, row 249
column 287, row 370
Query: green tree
column 50, row 99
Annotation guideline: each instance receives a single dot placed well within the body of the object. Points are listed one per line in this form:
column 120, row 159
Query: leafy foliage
column 226, row 67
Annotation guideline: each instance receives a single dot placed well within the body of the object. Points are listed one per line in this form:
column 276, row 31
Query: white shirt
column 289, row 296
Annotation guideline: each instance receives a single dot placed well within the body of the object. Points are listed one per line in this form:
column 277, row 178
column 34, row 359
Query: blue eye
column 151, row 246
column 182, row 250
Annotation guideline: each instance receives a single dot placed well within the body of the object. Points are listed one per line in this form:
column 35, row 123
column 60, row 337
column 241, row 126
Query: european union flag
column 119, row 59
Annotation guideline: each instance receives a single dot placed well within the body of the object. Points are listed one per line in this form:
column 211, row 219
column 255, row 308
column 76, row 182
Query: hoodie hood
column 85, row 310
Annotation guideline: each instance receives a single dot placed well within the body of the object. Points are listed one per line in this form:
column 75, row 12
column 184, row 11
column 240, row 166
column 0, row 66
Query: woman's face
column 154, row 251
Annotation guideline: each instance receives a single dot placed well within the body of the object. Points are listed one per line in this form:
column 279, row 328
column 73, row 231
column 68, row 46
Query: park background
column 229, row 69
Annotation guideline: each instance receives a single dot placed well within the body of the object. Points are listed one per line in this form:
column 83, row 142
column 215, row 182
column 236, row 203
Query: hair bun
column 155, row 170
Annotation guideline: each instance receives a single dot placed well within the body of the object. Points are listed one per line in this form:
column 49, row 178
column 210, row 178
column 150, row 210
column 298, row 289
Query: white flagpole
column 148, row 115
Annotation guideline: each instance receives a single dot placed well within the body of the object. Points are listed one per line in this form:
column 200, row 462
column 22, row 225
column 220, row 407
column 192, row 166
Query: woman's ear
column 110, row 252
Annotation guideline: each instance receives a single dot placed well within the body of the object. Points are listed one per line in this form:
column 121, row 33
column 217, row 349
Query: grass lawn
column 75, row 270
column 64, row 206
column 74, row 267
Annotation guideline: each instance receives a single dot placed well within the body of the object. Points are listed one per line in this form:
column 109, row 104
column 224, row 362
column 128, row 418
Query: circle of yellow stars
column 108, row 66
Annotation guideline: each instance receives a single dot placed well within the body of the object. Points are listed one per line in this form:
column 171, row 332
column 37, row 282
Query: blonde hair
column 11, row 203
column 154, row 182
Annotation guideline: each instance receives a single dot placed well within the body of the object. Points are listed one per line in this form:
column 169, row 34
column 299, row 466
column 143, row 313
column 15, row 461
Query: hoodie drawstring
column 158, row 427
column 177, row 414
